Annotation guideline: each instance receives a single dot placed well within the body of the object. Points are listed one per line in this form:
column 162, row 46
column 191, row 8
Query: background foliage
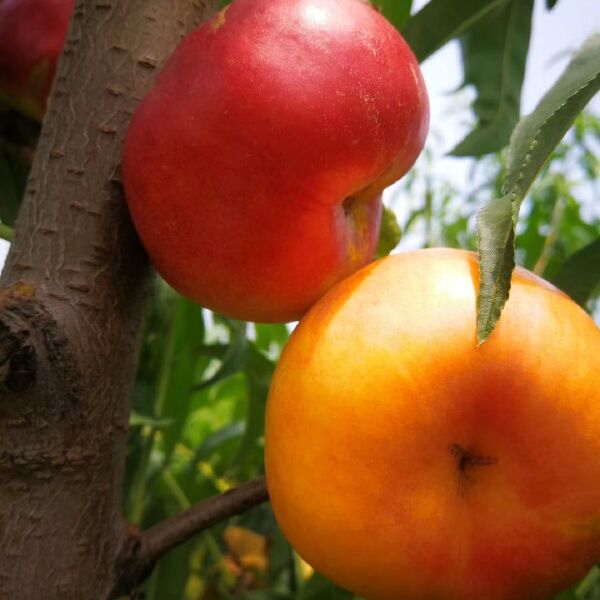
column 200, row 394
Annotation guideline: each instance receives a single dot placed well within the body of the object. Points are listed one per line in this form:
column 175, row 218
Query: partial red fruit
column 32, row 36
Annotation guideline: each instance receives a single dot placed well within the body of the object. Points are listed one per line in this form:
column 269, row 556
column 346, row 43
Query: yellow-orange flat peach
column 406, row 463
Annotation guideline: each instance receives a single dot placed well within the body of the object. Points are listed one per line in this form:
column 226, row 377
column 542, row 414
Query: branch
column 75, row 286
column 142, row 550
column 178, row 529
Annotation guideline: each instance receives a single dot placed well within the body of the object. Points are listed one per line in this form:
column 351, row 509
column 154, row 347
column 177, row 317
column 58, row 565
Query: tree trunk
column 71, row 305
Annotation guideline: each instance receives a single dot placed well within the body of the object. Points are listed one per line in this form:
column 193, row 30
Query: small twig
column 180, row 528
column 141, row 550
column 6, row 232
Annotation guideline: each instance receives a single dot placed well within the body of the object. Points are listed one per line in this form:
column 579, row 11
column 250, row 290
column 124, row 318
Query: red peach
column 254, row 168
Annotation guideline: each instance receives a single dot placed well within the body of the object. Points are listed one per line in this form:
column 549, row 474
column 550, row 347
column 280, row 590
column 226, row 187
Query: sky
column 556, row 34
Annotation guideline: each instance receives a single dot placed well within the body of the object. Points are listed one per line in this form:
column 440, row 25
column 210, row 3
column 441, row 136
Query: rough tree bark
column 71, row 305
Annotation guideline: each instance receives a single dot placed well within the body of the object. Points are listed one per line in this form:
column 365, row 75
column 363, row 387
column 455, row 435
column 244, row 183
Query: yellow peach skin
column 406, row 463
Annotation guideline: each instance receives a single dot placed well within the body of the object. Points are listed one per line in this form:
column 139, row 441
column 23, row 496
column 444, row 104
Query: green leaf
column 537, row 135
column 494, row 56
column 390, row 234
column 532, row 143
column 395, row 11
column 439, row 21
column 175, row 382
column 579, row 275
column 496, row 263
column 550, row 4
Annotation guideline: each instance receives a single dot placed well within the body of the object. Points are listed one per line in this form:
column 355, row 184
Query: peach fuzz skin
column 253, row 170
column 32, row 36
column 405, row 462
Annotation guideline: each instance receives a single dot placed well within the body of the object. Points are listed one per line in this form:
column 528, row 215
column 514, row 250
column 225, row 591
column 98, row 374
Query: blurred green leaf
column 390, row 234
column 168, row 581
column 213, row 441
column 259, row 372
column 6, row 232
column 214, row 408
column 550, row 4
column 396, row 11
column 173, row 394
column 235, row 358
column 182, row 331
column 579, row 275
column 533, row 141
column 439, row 21
column 494, row 55
column 271, row 338
column 589, row 588
column 217, row 351
column 321, row 588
